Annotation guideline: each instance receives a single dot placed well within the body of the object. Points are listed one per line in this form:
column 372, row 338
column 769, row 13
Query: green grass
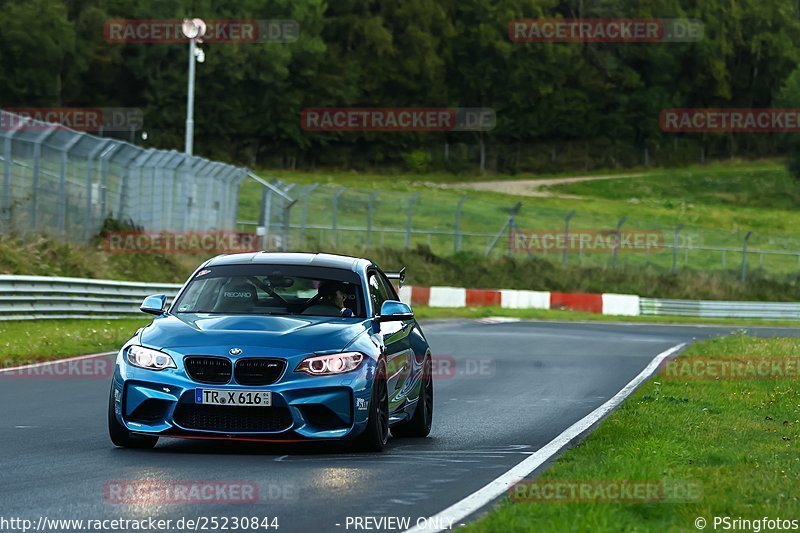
column 717, row 205
column 760, row 187
column 28, row 341
column 737, row 438
column 51, row 256
column 427, row 313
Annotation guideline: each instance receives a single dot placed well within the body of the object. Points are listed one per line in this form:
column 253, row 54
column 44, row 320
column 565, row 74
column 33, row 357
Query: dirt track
column 536, row 187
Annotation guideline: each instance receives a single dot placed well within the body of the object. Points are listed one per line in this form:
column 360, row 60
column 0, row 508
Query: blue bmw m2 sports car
column 276, row 347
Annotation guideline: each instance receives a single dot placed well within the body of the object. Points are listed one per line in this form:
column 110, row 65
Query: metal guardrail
column 719, row 309
column 40, row 297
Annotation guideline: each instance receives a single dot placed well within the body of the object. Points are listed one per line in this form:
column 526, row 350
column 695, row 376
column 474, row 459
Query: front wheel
column 420, row 423
column 376, row 434
column 120, row 435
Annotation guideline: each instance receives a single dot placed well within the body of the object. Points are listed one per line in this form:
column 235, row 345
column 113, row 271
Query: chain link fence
column 64, row 182
column 331, row 216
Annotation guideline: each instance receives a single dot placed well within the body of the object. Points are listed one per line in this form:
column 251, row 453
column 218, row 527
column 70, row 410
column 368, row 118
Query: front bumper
column 303, row 407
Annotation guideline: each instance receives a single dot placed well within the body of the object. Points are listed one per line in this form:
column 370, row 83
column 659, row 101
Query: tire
column 120, row 436
column 376, row 434
column 419, row 425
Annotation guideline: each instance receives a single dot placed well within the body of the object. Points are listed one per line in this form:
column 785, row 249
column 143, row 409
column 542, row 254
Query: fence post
column 566, row 236
column 457, row 237
column 744, row 255
column 512, row 226
column 287, row 219
column 617, row 244
column 104, row 178
column 6, row 206
column 675, row 249
column 509, row 223
column 266, row 206
column 90, row 159
column 372, row 196
column 37, row 161
column 336, row 196
column 411, row 201
column 263, row 215
column 229, row 195
column 239, row 176
column 219, row 184
column 306, row 199
column 62, row 183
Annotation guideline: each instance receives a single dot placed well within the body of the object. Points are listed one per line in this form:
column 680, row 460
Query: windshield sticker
column 202, row 273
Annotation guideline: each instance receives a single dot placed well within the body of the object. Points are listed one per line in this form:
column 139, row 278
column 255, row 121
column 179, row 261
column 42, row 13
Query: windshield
column 273, row 290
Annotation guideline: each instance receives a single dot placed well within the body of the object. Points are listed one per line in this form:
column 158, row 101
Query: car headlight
column 324, row 365
column 149, row 359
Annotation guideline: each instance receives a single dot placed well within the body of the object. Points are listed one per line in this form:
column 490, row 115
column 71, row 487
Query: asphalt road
column 502, row 391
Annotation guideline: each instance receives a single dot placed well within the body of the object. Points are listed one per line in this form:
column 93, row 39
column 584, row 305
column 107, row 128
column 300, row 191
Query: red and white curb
column 606, row 303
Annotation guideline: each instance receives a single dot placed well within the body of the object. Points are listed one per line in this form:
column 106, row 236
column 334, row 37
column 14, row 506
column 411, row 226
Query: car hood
column 255, row 335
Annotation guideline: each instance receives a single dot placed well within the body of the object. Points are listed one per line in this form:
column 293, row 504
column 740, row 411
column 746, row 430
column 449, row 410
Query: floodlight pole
column 190, row 100
column 194, row 30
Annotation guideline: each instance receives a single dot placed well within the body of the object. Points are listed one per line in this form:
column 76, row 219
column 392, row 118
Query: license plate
column 236, row 398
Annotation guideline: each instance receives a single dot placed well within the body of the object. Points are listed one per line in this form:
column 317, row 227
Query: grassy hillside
column 48, row 257
column 43, row 256
column 762, row 187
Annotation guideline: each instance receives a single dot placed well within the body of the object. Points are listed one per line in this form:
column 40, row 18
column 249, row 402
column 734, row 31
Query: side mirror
column 393, row 311
column 154, row 305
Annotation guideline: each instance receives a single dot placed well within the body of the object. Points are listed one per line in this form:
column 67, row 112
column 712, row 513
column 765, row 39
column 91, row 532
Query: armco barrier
column 39, row 297
column 720, row 309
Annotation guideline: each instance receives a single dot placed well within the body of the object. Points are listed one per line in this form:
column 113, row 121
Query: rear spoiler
column 399, row 276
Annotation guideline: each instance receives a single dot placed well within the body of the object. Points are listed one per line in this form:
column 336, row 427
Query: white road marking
column 498, row 320
column 482, row 497
column 55, row 362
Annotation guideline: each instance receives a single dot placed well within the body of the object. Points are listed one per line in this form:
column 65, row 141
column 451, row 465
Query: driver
column 334, row 293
